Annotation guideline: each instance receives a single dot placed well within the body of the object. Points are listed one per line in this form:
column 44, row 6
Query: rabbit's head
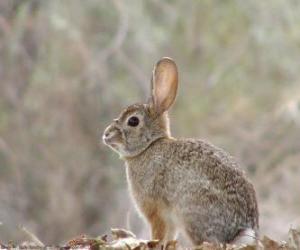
column 139, row 125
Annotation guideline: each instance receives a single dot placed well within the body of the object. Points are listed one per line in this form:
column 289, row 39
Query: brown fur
column 182, row 185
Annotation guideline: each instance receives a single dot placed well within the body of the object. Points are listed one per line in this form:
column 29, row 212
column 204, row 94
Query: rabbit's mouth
column 110, row 141
column 113, row 144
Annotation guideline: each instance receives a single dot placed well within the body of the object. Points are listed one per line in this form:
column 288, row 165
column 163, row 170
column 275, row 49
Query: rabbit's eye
column 133, row 121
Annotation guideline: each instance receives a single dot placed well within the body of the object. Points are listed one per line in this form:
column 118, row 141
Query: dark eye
column 133, row 121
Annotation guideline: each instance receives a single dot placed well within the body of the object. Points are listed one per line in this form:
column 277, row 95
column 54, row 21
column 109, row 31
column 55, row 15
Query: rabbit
column 181, row 185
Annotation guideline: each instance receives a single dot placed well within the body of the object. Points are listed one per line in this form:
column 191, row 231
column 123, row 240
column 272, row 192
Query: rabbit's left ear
column 164, row 84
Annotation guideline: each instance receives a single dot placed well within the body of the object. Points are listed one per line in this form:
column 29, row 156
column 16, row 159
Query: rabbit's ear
column 164, row 84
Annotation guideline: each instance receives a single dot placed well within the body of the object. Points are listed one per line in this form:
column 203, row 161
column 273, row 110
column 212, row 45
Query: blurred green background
column 67, row 68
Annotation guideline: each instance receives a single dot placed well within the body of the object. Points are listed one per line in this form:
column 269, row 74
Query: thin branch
column 34, row 238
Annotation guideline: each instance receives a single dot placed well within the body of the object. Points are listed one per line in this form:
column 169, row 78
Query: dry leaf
column 118, row 233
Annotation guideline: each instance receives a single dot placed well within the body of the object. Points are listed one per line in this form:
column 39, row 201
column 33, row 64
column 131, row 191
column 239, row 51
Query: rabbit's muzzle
column 112, row 136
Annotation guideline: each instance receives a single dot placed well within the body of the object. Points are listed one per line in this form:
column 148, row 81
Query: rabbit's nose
column 105, row 135
column 108, row 134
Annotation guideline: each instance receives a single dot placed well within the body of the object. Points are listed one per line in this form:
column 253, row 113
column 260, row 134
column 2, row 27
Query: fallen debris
column 121, row 239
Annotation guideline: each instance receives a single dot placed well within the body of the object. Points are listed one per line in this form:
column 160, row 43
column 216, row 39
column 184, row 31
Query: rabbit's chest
column 147, row 181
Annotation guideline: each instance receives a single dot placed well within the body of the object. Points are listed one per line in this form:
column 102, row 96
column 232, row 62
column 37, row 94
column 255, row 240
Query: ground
column 122, row 239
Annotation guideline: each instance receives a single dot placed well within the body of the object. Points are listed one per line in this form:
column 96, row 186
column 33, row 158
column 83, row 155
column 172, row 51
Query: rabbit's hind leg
column 198, row 236
column 199, row 227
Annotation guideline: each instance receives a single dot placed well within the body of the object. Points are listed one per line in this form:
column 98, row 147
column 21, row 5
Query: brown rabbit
column 185, row 185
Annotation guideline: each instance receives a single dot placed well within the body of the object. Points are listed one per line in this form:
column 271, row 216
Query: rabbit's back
column 223, row 200
column 199, row 182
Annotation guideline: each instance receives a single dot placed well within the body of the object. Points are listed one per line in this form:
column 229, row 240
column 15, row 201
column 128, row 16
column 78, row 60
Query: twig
column 32, row 236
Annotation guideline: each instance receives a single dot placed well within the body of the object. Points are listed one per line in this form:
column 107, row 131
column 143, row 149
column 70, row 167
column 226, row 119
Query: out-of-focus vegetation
column 68, row 67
